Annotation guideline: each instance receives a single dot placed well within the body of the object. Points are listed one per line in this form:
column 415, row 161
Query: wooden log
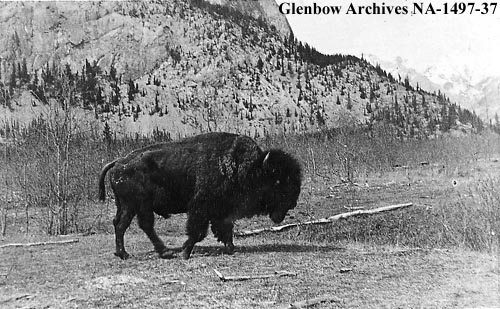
column 311, row 302
column 323, row 220
column 60, row 242
column 250, row 277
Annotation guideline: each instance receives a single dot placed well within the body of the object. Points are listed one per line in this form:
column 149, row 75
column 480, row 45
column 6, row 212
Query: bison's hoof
column 122, row 255
column 229, row 250
column 166, row 254
column 186, row 255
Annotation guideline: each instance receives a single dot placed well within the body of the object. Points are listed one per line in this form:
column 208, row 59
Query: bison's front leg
column 146, row 223
column 223, row 230
column 196, row 229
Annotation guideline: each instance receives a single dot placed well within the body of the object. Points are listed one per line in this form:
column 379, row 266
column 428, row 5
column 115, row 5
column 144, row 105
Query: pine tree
column 362, row 92
column 372, row 95
column 414, row 103
column 398, row 116
column 283, row 73
column 99, row 99
column 431, row 125
column 12, row 83
column 444, row 121
column 452, row 116
column 157, row 106
column 19, row 74
column 349, row 103
column 34, row 83
column 116, row 97
column 67, row 72
column 496, row 125
column 260, row 65
column 108, row 135
column 369, row 108
column 112, row 73
column 24, row 69
column 131, row 90
column 407, row 84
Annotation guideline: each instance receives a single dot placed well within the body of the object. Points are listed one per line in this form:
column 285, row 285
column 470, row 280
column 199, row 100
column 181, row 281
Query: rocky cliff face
column 70, row 32
column 267, row 10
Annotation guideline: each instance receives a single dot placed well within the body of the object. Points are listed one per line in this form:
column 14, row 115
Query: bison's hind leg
column 146, row 223
column 124, row 215
column 223, row 231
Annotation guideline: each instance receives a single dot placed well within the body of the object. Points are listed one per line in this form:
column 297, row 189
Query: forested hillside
column 183, row 67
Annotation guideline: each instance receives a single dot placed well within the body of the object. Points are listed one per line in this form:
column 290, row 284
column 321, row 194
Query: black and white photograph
column 250, row 154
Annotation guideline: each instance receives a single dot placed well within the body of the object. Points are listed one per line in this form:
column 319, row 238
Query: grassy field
column 440, row 253
column 87, row 275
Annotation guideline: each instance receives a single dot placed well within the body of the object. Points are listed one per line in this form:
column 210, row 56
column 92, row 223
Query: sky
column 449, row 41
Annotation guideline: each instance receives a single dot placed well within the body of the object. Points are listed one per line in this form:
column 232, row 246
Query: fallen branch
column 14, row 298
column 249, row 277
column 311, row 302
column 61, row 242
column 174, row 281
column 345, row 270
column 323, row 220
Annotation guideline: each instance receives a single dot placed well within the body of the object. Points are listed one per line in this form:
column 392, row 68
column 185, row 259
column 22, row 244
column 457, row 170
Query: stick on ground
column 249, row 277
column 311, row 302
column 323, row 220
column 14, row 298
column 60, row 242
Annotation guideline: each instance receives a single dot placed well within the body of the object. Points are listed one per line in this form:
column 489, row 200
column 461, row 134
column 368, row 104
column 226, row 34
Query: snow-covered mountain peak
column 469, row 86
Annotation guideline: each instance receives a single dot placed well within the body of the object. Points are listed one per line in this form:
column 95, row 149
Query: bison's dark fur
column 215, row 178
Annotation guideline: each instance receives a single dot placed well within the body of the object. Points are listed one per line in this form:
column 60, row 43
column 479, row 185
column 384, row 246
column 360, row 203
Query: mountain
column 266, row 10
column 463, row 85
column 184, row 67
column 489, row 103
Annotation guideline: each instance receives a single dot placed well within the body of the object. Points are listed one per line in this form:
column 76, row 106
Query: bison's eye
column 277, row 182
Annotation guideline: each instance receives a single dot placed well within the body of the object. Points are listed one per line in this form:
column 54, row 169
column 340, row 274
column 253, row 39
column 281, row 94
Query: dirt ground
column 86, row 274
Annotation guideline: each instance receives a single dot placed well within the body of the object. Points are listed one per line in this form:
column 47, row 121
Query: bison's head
column 282, row 179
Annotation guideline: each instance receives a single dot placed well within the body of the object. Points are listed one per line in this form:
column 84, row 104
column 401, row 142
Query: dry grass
column 468, row 220
column 86, row 274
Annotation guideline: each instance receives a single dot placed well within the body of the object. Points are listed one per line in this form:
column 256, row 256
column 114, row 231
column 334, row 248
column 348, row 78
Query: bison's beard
column 277, row 216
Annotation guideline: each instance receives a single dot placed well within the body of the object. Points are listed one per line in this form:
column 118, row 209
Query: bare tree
column 50, row 175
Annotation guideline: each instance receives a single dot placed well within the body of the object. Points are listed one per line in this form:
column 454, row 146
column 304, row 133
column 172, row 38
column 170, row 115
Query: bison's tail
column 102, row 189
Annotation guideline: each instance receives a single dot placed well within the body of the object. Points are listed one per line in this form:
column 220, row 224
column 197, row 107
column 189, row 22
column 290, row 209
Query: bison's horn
column 265, row 163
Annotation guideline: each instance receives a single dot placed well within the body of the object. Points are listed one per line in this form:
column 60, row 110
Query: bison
column 216, row 178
